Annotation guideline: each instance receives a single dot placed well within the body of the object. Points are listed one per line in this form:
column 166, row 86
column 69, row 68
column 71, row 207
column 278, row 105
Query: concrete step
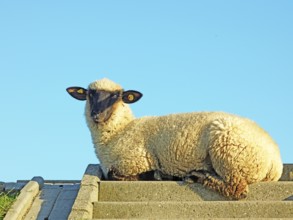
column 140, row 191
column 179, row 210
column 170, row 199
column 100, row 199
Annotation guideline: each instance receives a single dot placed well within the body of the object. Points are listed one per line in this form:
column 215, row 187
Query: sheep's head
column 102, row 97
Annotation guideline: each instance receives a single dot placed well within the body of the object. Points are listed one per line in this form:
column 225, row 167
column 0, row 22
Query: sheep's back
column 176, row 141
column 175, row 144
column 180, row 143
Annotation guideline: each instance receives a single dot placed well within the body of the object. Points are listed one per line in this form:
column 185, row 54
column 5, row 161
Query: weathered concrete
column 201, row 218
column 96, row 198
column 53, row 202
column 41, row 199
column 88, row 193
column 64, row 202
column 177, row 191
column 25, row 199
column 44, row 202
column 132, row 191
column 173, row 200
column 227, row 209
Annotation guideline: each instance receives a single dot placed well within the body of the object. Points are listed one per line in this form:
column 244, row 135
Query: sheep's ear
column 77, row 92
column 131, row 96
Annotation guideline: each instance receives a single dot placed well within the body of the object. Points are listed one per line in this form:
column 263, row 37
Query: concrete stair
column 192, row 210
column 95, row 198
column 176, row 200
column 146, row 191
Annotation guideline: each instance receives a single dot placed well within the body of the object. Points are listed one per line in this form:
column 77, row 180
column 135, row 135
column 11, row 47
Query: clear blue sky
column 232, row 56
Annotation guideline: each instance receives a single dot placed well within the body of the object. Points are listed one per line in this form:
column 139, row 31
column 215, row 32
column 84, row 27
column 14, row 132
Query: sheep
column 222, row 151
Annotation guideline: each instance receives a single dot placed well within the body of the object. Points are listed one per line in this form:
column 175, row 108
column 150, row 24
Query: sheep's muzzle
column 101, row 104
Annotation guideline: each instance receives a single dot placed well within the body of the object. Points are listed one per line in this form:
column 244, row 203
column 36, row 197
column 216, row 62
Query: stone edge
column 287, row 174
column 25, row 199
column 87, row 194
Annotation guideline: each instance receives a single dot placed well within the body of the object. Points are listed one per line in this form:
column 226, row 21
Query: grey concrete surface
column 39, row 200
column 177, row 191
column 53, row 202
column 88, row 193
column 217, row 209
column 63, row 204
column 25, row 199
column 173, row 200
column 94, row 198
column 43, row 203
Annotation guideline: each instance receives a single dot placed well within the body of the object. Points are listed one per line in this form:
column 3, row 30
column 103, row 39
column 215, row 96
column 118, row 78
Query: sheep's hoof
column 158, row 176
column 194, row 177
column 189, row 179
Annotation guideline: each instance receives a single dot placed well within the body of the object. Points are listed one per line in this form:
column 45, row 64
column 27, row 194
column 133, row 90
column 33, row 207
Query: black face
column 101, row 104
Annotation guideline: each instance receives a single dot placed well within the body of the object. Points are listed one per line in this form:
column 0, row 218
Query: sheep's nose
column 94, row 114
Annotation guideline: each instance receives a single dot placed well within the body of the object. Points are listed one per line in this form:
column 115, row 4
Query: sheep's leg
column 114, row 174
column 124, row 178
column 195, row 177
column 160, row 176
column 235, row 189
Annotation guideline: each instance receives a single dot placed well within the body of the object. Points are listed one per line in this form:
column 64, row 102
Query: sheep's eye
column 114, row 96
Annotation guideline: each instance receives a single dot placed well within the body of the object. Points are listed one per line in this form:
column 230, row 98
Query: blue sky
column 232, row 56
